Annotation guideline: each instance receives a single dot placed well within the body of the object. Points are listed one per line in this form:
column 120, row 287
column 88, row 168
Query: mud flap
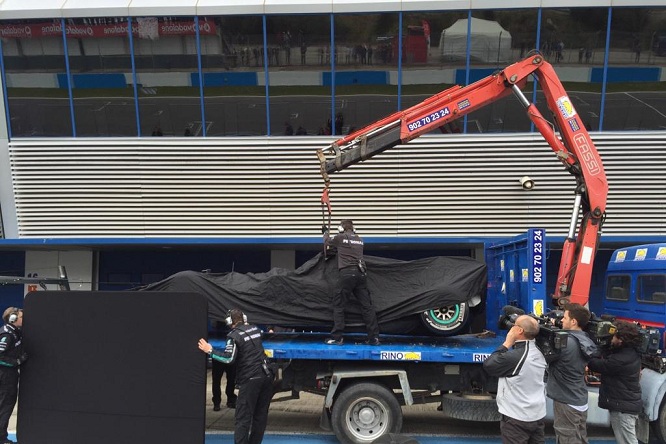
column 325, row 420
column 482, row 408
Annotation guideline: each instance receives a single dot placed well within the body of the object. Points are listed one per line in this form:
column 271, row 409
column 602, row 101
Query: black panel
column 113, row 367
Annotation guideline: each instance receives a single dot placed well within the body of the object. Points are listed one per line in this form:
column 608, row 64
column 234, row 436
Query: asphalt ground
column 296, row 421
column 246, row 116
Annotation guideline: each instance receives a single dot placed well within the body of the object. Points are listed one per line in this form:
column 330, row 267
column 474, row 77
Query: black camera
column 649, row 350
column 550, row 339
column 601, row 330
column 648, row 347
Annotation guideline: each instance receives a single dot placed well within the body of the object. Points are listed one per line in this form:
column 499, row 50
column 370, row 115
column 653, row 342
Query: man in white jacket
column 521, row 394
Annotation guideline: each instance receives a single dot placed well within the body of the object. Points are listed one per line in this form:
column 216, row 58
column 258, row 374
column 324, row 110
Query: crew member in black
column 253, row 376
column 352, row 281
column 11, row 357
column 218, row 369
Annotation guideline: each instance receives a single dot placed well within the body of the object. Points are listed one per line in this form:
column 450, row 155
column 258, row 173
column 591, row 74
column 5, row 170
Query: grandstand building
column 141, row 139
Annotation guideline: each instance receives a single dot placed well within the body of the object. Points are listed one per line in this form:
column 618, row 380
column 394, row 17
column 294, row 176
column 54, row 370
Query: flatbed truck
column 364, row 386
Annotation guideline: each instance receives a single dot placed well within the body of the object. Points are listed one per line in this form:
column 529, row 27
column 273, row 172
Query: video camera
column 550, row 339
column 648, row 346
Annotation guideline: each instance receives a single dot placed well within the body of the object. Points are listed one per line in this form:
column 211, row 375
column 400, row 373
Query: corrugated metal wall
column 449, row 186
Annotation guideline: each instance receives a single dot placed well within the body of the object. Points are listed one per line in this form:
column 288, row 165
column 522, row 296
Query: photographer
column 521, row 397
column 620, row 391
column 566, row 378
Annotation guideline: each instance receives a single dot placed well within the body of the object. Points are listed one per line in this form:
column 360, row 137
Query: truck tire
column 448, row 320
column 470, row 407
column 363, row 412
column 659, row 426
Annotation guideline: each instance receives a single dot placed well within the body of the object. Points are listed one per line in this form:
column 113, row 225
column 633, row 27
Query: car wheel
column 448, row 320
column 365, row 411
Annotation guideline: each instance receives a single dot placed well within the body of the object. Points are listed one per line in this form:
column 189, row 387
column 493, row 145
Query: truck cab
column 635, row 288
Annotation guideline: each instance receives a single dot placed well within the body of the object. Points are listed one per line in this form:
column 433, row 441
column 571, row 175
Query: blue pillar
column 467, row 59
column 399, row 60
column 69, row 76
column 332, row 53
column 201, row 82
column 266, row 78
column 4, row 93
column 604, row 80
column 538, row 45
column 134, row 79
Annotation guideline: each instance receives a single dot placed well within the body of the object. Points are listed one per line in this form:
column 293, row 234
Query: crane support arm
column 566, row 135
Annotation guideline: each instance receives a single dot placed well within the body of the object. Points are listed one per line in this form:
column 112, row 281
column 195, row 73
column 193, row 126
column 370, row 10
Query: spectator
column 304, row 50
column 288, row 129
column 339, row 123
column 559, row 55
column 620, row 391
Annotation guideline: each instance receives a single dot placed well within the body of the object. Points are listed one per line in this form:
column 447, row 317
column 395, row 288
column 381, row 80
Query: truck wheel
column 363, row 412
column 480, row 408
column 659, row 426
column 448, row 320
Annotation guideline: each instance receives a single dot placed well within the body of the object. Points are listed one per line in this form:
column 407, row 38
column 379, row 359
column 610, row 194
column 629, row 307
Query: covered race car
column 433, row 293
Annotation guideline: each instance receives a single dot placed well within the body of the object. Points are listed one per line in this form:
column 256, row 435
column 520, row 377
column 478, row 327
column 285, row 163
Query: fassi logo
column 586, row 154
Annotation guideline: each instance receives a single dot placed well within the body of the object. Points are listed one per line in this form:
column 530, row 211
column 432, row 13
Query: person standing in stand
column 254, row 377
column 11, row 357
column 352, row 281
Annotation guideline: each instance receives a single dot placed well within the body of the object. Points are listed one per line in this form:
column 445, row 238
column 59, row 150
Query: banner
column 27, row 31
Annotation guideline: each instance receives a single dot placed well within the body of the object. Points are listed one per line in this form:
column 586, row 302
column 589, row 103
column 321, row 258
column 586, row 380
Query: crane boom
column 572, row 146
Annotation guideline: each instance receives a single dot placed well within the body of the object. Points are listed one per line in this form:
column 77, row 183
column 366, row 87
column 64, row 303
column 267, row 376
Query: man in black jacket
column 253, row 376
column 218, row 370
column 620, row 391
column 566, row 378
column 352, row 281
column 11, row 357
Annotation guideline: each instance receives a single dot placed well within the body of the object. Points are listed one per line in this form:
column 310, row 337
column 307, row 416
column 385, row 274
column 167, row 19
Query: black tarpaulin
column 302, row 297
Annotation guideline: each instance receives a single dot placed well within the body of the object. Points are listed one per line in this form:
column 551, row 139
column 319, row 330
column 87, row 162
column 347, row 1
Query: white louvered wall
column 449, row 186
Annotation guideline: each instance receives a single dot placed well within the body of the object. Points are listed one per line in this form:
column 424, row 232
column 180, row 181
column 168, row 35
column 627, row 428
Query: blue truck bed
column 455, row 350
